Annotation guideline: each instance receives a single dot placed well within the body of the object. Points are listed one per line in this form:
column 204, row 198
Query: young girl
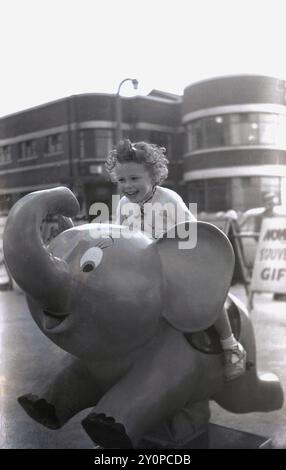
column 140, row 169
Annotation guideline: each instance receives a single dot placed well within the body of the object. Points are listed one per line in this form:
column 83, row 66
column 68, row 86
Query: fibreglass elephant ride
column 130, row 312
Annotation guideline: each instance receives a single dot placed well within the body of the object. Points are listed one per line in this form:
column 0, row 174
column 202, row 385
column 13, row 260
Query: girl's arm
column 118, row 219
column 183, row 213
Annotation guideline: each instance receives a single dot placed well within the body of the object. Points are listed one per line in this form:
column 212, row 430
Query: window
column 247, row 191
column 258, row 128
column 250, row 128
column 28, row 149
column 103, row 143
column 54, row 144
column 211, row 195
column 270, row 184
column 281, row 131
column 128, row 134
column 189, row 140
column 268, row 127
column 196, row 194
column 6, row 202
column 217, row 194
column 244, row 129
column 5, row 154
column 162, row 139
column 81, row 144
column 196, row 135
column 236, row 130
column 214, row 132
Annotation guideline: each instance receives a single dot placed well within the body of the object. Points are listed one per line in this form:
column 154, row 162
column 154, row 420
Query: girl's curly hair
column 151, row 155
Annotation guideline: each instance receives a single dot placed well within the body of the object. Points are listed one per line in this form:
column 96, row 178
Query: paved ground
column 27, row 355
column 269, row 319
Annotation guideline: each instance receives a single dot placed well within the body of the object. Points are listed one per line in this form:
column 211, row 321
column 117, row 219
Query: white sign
column 269, row 273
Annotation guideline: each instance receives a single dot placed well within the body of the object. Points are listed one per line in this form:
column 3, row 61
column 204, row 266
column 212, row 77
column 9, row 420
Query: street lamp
column 118, row 106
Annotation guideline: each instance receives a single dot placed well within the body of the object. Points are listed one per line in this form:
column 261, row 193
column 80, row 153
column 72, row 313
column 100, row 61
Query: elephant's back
column 208, row 341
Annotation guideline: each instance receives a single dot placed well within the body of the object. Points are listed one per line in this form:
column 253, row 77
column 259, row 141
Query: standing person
column 257, row 214
column 140, row 169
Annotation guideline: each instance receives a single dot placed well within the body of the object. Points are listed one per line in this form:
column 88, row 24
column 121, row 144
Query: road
column 269, row 320
column 26, row 355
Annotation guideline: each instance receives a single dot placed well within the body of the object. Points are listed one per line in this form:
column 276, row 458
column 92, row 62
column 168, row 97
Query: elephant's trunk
column 41, row 275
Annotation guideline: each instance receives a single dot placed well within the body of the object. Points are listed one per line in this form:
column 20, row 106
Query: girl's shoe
column 234, row 362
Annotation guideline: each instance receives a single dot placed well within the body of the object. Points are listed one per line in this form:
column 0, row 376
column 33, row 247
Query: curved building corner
column 235, row 141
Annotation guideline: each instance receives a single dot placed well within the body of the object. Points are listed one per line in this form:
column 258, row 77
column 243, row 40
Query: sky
column 55, row 48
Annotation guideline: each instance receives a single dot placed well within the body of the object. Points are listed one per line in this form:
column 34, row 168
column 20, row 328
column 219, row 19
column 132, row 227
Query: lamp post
column 118, row 106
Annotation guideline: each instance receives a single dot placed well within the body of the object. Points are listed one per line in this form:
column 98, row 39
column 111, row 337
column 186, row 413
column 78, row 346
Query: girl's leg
column 234, row 353
column 222, row 325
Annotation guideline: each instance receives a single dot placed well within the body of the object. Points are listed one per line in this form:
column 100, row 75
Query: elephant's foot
column 105, row 432
column 40, row 410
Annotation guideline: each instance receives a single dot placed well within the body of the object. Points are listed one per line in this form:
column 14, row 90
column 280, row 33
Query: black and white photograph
column 142, row 228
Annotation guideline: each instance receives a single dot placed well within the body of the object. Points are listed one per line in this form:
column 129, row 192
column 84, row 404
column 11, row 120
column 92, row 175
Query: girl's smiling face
column 134, row 181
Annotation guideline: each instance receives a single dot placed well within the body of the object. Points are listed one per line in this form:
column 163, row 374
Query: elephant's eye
column 87, row 267
column 91, row 259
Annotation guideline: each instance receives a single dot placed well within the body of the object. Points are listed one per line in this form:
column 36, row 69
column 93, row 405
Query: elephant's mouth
column 53, row 320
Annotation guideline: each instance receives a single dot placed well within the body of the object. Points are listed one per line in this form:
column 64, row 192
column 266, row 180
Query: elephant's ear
column 64, row 223
column 196, row 280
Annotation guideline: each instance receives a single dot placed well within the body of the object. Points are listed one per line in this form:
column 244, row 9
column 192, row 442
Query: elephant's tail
column 253, row 391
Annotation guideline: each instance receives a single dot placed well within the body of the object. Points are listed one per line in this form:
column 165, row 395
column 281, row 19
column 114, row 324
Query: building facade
column 225, row 139
column 236, row 141
column 66, row 143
